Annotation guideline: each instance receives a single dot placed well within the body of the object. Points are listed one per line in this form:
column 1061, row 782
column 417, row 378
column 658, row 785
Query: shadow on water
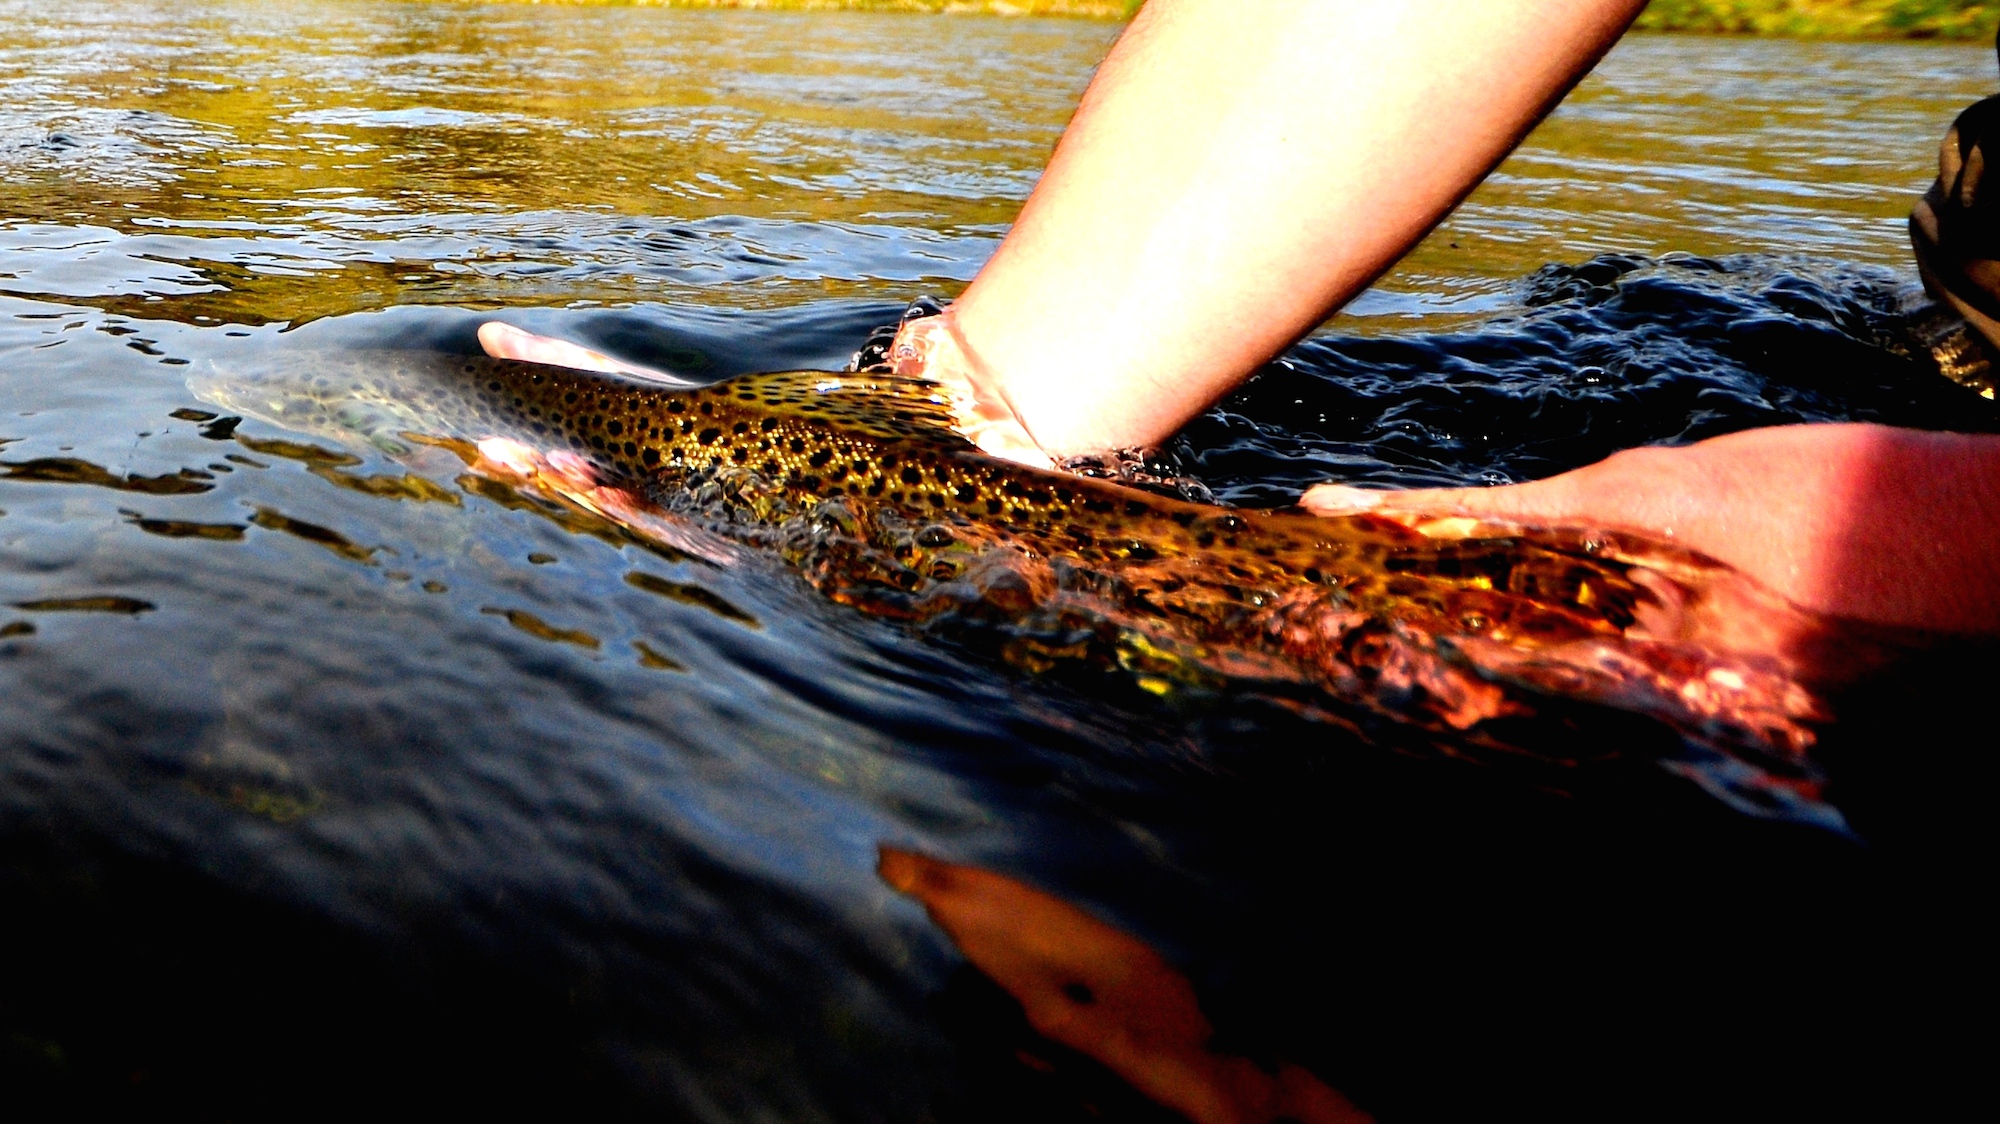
column 334, row 775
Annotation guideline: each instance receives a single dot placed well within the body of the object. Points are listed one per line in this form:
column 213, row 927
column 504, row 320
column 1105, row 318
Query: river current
column 331, row 778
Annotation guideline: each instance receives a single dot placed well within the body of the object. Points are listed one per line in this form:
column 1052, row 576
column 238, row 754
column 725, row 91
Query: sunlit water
column 325, row 775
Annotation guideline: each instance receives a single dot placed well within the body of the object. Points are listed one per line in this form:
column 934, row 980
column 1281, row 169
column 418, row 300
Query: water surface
column 325, row 773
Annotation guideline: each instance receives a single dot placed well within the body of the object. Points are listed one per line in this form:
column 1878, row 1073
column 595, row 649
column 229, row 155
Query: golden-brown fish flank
column 858, row 480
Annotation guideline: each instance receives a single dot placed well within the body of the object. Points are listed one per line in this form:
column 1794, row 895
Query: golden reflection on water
column 256, row 163
column 369, row 150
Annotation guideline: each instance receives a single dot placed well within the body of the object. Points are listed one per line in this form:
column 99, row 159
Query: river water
column 329, row 778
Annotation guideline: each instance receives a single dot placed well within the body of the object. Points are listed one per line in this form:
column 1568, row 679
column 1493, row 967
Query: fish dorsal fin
column 881, row 405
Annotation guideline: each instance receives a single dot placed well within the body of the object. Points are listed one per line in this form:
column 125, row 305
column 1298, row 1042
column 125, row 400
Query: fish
column 859, row 481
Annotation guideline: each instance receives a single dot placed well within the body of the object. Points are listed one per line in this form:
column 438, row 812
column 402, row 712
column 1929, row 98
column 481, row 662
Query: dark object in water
column 1955, row 231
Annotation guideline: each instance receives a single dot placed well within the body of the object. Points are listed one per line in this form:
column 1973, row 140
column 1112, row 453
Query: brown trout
column 859, row 481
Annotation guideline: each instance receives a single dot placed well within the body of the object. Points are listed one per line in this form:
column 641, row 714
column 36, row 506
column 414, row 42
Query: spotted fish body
column 860, row 482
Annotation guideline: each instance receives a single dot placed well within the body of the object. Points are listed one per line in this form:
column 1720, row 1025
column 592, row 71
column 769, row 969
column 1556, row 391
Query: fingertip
column 498, row 338
column 1341, row 499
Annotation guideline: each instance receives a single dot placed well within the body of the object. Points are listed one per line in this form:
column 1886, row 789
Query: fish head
column 357, row 398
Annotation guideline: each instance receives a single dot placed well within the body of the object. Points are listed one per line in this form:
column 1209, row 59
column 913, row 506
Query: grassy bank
column 1832, row 19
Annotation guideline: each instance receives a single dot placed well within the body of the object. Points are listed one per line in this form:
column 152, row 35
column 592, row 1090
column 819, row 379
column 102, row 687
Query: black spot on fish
column 912, row 476
column 768, row 424
column 709, row 436
column 651, row 456
column 740, row 428
column 819, row 459
column 798, row 445
column 615, row 427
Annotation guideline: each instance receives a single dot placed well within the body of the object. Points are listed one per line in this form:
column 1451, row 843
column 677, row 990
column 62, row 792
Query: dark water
column 329, row 778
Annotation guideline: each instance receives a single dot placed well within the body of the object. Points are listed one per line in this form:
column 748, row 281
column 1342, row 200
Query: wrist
column 933, row 349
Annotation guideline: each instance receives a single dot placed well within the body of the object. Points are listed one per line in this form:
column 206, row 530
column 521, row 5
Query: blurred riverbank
column 1806, row 19
column 1828, row 19
column 1069, row 9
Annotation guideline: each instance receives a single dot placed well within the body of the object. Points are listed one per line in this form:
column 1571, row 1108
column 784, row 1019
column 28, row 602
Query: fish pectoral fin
column 567, row 476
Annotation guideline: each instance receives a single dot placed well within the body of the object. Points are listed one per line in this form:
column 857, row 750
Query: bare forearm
column 1893, row 526
column 1236, row 172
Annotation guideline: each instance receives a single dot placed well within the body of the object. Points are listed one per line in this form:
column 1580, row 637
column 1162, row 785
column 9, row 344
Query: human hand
column 504, row 341
column 1889, row 526
column 927, row 349
column 932, row 348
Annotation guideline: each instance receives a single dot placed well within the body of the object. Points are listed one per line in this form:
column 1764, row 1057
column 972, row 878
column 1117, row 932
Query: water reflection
column 1108, row 996
column 411, row 153
column 441, row 154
